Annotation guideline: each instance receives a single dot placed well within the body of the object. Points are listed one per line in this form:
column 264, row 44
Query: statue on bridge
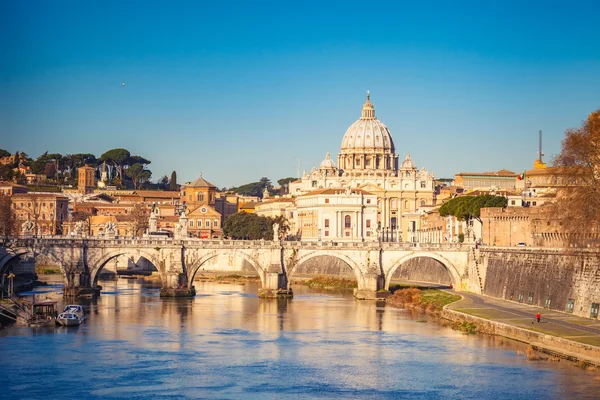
column 27, row 227
column 110, row 228
column 80, row 227
column 275, row 231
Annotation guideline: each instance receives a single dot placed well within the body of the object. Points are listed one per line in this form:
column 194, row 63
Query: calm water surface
column 228, row 344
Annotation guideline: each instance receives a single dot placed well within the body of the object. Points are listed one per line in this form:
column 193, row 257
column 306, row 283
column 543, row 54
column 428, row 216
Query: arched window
column 347, row 222
column 422, row 203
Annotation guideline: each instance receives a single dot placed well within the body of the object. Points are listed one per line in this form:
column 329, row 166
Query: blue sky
column 241, row 90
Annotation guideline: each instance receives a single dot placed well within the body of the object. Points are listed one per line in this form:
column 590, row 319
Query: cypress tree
column 173, row 181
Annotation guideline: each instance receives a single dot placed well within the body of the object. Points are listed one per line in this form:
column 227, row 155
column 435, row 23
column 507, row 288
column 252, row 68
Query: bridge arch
column 447, row 264
column 97, row 266
column 196, row 265
column 349, row 261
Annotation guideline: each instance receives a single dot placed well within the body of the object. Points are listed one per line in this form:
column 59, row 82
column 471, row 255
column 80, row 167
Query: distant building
column 86, row 182
column 9, row 188
column 47, row 211
column 503, row 179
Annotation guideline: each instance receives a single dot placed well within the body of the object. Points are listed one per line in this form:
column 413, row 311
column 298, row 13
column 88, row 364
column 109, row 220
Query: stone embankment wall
column 423, row 269
column 544, row 278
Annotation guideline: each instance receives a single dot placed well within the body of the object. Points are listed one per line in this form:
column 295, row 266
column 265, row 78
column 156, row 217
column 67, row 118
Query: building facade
column 46, row 211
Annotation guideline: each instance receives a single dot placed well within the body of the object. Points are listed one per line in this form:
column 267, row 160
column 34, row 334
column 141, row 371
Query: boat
column 72, row 315
column 43, row 313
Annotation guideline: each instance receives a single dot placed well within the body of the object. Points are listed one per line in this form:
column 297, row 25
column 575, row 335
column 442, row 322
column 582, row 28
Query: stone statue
column 27, row 227
column 80, row 227
column 275, row 231
column 109, row 228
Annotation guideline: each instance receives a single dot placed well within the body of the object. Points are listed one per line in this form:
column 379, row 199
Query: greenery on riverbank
column 327, row 282
column 429, row 300
column 229, row 278
column 48, row 271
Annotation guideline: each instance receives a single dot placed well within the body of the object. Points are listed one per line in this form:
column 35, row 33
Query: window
column 327, row 223
column 368, row 223
column 422, row 202
column 594, row 310
column 326, row 233
column 547, row 302
column 520, row 297
column 368, row 201
column 423, row 185
column 207, row 223
column 535, row 203
column 43, row 216
column 408, row 174
column 512, row 202
column 200, row 196
column 347, row 222
column 326, row 201
column 347, row 233
column 216, row 223
column 314, row 183
column 191, row 222
column 570, row 305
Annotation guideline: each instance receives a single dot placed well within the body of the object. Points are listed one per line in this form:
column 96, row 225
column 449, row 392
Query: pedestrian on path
column 538, row 316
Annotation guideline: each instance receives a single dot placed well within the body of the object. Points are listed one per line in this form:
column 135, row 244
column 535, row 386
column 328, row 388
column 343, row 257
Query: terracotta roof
column 278, row 200
column 200, row 182
column 49, row 194
column 158, row 193
column 251, row 204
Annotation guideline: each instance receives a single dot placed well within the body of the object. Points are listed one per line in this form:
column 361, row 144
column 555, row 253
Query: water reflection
column 226, row 343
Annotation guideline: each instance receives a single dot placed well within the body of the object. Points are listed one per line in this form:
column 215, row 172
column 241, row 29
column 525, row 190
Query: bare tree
column 578, row 205
column 139, row 219
column 8, row 224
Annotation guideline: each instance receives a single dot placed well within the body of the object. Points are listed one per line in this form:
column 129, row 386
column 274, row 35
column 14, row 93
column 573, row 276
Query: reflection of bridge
column 177, row 261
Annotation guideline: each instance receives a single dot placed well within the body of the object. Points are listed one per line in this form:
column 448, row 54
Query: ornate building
column 368, row 161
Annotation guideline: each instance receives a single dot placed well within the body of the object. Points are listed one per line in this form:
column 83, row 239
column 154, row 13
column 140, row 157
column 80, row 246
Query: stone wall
column 324, row 265
column 535, row 276
column 423, row 269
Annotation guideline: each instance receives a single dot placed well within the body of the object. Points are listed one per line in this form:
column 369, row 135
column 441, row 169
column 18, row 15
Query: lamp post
column 11, row 284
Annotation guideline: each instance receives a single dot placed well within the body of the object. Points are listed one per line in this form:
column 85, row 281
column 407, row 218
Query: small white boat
column 68, row 319
column 72, row 315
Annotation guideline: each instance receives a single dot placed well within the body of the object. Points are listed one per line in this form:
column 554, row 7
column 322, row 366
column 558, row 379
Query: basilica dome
column 327, row 162
column 408, row 163
column 368, row 133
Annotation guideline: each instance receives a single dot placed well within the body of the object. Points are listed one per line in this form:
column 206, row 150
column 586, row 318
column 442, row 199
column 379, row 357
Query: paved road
column 568, row 326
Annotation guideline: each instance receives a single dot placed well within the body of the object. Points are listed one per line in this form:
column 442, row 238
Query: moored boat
column 72, row 315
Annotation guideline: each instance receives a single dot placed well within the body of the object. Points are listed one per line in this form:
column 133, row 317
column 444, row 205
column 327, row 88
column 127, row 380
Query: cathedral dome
column 368, row 133
column 327, row 162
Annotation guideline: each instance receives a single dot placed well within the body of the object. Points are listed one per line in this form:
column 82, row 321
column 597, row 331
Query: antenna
column 540, row 154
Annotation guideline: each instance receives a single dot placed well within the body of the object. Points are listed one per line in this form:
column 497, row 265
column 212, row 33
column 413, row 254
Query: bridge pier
column 274, row 286
column 176, row 285
column 80, row 284
column 371, row 289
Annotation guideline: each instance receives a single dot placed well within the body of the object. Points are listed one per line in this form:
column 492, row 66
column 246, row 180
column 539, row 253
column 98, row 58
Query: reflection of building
column 368, row 161
column 46, row 210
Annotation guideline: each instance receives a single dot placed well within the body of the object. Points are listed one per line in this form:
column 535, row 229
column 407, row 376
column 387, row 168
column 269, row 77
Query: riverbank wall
column 553, row 345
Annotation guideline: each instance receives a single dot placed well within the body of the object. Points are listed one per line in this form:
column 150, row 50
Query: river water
column 227, row 344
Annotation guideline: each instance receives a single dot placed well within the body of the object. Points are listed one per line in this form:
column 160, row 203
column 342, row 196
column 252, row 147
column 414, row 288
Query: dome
column 408, row 163
column 327, row 162
column 368, row 133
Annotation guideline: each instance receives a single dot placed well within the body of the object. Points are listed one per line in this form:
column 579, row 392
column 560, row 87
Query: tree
column 163, row 182
column 465, row 208
column 173, row 181
column 578, row 204
column 4, row 153
column 248, row 226
column 118, row 158
column 139, row 219
column 8, row 223
column 254, row 188
column 283, row 223
column 138, row 174
column 284, row 185
column 49, row 170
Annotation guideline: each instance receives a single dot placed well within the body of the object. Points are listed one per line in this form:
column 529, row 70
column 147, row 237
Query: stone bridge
column 82, row 259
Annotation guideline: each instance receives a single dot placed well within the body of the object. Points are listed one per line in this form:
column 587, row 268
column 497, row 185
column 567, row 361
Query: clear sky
column 242, row 90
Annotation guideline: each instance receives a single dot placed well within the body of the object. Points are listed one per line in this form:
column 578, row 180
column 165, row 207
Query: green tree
column 118, row 158
column 284, row 185
column 465, row 208
column 248, row 226
column 4, row 153
column 173, row 181
column 138, row 174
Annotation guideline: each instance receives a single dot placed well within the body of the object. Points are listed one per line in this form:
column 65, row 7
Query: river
column 227, row 344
